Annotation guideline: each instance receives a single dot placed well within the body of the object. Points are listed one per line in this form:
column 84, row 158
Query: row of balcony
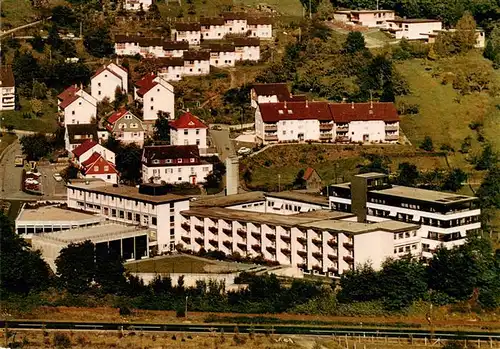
column 391, row 137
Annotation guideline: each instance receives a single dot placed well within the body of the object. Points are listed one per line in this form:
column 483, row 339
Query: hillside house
column 190, row 32
column 260, row 27
column 189, row 130
column 169, row 68
column 83, row 151
column 7, row 89
column 235, row 22
column 272, row 93
column 480, row 36
column 412, row 29
column 77, row 134
column 174, row 164
column 97, row 167
column 156, row 94
column 366, row 18
column 76, row 106
column 222, row 55
column 126, row 127
column 107, row 80
column 212, row 28
column 196, row 63
column 247, row 49
column 312, row 178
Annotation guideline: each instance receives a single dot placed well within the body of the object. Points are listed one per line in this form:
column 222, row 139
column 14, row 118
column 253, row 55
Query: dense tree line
column 470, row 271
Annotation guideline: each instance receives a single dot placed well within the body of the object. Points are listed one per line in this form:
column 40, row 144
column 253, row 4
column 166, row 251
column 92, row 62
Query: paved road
column 223, row 143
column 10, row 31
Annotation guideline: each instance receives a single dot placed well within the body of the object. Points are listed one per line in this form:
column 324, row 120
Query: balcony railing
column 271, row 237
column 213, row 242
column 186, row 239
column 342, row 127
column 349, row 259
column 241, row 232
column 200, row 228
column 228, row 232
column 324, row 136
column 348, row 245
column 271, row 138
column 200, row 241
column 256, row 247
column 242, row 246
column 391, row 137
column 286, row 251
column 302, row 266
column 333, row 270
column 317, row 267
column 317, row 242
column 256, row 234
column 317, row 255
column 302, row 253
column 332, row 257
column 332, row 243
column 302, row 240
column 271, row 249
column 227, row 244
column 271, row 128
column 325, row 127
column 391, row 127
column 186, row 226
column 286, row 238
column 341, row 139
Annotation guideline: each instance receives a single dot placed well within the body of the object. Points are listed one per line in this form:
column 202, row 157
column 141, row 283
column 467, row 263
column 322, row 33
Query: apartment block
column 413, row 28
column 366, row 18
column 443, row 218
column 150, row 205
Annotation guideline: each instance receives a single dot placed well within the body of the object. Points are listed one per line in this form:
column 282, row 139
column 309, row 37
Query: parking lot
column 52, row 188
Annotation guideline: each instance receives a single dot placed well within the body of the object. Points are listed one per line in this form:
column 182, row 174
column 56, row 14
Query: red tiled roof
column 83, row 148
column 173, row 152
column 102, row 69
column 187, row 120
column 96, row 159
column 308, row 173
column 7, row 77
column 274, row 112
column 69, row 92
column 114, row 118
column 347, row 112
column 66, row 102
column 146, row 84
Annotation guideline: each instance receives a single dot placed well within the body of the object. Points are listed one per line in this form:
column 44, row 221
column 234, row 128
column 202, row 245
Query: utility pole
column 377, row 5
column 310, row 12
column 186, row 309
column 279, row 182
column 81, row 30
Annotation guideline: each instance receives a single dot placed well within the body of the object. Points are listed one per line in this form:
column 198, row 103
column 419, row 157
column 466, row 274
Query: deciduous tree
column 76, row 267
column 36, row 146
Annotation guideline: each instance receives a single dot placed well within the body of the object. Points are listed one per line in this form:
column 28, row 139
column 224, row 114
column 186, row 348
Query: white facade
column 7, row 98
column 106, row 177
column 104, row 84
column 192, row 36
column 190, row 136
column 413, row 29
column 236, row 26
column 172, row 73
column 159, row 97
column 135, row 5
column 247, row 53
column 161, row 213
column 263, row 31
column 213, row 31
column 197, row 67
column 176, row 174
column 81, row 111
column 223, row 58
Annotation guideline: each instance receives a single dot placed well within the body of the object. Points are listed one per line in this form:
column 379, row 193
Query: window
column 99, row 84
column 113, row 212
column 121, row 214
column 185, row 132
column 129, row 216
column 99, row 93
column 169, row 161
column 153, row 221
column 151, row 99
column 145, row 220
column 179, row 161
column 96, row 168
column 108, row 176
column 179, row 178
column 197, row 142
column 137, row 218
column 191, row 160
column 179, row 170
column 106, row 168
column 156, row 161
column 197, row 132
column 73, row 113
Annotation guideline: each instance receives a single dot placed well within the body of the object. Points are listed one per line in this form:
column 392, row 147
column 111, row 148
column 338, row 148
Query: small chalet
column 82, row 152
column 174, row 164
column 126, row 127
column 96, row 166
column 76, row 106
column 312, row 178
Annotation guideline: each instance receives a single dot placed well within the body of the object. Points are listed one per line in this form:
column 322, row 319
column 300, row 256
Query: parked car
column 58, row 177
column 244, row 151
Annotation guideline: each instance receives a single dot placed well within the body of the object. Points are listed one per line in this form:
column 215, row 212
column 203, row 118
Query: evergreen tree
column 489, row 51
column 76, row 267
column 162, row 127
column 355, row 42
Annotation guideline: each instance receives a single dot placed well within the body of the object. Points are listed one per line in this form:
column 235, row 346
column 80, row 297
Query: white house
column 76, row 106
column 7, row 89
column 212, row 28
column 189, row 130
column 77, row 134
column 190, row 32
column 222, row 55
column 196, row 63
column 174, row 48
column 131, row 45
column 174, row 164
column 106, row 80
column 156, row 94
column 320, row 121
column 366, row 18
column 235, row 22
column 480, row 36
column 83, row 151
column 149, row 205
column 260, row 27
column 126, row 127
column 365, row 122
column 97, row 167
column 272, row 93
column 247, row 49
column 170, row 69
column 136, row 5
column 413, row 29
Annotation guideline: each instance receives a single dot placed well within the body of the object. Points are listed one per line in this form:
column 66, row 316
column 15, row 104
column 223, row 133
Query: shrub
column 125, row 310
column 180, row 312
column 427, row 144
column 62, row 340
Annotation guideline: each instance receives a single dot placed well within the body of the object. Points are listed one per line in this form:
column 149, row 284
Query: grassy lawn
column 5, row 140
column 21, row 12
column 334, row 163
column 284, row 7
column 46, row 123
column 170, row 264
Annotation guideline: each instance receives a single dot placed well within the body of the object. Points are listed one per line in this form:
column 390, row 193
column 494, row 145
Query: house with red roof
column 189, row 130
column 85, row 150
column 156, row 94
column 327, row 122
column 76, row 106
column 96, row 166
column 174, row 164
column 312, row 178
column 272, row 93
column 126, row 127
column 106, row 80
